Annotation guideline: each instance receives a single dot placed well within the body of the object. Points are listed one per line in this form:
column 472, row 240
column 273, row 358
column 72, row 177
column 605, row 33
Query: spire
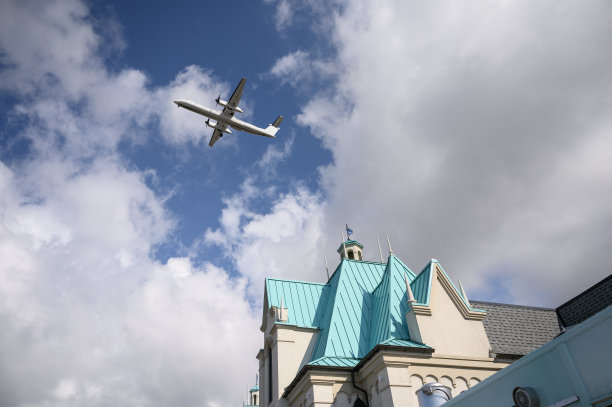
column 409, row 294
column 379, row 249
column 389, row 243
column 326, row 267
column 282, row 314
column 463, row 294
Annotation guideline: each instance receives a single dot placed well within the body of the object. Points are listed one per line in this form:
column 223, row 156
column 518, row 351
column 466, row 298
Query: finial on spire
column 463, row 293
column 409, row 294
column 379, row 249
column 326, row 267
column 389, row 243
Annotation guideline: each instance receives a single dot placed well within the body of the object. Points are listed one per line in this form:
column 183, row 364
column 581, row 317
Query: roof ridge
column 513, row 305
column 364, row 261
column 328, row 314
column 294, row 281
column 403, row 265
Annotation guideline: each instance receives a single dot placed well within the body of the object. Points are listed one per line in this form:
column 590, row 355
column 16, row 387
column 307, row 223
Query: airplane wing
column 217, row 133
column 232, row 103
column 216, row 136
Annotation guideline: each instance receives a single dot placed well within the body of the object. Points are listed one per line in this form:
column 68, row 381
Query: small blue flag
column 349, row 231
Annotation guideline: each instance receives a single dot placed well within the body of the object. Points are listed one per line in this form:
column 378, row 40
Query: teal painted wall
column 579, row 362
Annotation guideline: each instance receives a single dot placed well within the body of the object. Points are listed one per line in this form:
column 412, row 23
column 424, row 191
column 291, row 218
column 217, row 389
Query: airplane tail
column 273, row 128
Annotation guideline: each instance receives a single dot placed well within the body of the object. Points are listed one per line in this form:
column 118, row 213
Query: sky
column 134, row 256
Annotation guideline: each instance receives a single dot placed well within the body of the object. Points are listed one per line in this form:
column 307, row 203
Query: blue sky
column 133, row 255
column 247, row 45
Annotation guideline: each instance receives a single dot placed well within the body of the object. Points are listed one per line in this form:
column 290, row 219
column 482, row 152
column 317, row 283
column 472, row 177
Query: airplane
column 225, row 118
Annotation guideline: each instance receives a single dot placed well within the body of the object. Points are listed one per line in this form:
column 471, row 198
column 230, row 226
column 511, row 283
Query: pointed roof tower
column 390, row 303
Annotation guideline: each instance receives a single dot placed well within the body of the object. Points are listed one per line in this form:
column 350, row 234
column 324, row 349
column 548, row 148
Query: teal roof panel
column 304, row 300
column 421, row 285
column 345, row 325
column 406, row 343
column 390, row 303
column 335, row 361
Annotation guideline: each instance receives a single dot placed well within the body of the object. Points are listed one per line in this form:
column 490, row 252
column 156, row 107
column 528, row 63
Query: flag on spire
column 349, row 232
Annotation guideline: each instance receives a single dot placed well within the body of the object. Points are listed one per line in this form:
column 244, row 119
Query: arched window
column 351, row 255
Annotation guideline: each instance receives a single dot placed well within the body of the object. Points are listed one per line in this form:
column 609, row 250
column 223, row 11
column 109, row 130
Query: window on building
column 255, row 400
column 350, row 254
column 269, row 376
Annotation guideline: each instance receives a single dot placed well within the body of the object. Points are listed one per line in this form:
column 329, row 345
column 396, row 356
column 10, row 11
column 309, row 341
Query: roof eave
column 305, row 369
column 393, row 348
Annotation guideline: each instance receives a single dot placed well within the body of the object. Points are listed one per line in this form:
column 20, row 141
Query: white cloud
column 290, row 65
column 299, row 69
column 87, row 316
column 314, row 13
column 284, row 14
column 283, row 242
column 474, row 134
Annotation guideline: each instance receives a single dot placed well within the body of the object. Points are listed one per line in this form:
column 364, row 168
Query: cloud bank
column 477, row 134
column 88, row 316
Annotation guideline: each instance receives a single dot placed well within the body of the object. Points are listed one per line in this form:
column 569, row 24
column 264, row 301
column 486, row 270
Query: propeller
column 218, row 99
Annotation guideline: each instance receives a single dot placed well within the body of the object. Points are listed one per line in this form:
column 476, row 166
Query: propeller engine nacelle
column 214, row 126
column 224, row 103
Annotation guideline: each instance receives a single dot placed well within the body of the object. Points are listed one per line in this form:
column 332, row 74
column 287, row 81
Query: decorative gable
column 442, row 318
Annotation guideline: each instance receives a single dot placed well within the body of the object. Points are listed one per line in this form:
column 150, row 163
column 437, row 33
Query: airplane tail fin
column 273, row 128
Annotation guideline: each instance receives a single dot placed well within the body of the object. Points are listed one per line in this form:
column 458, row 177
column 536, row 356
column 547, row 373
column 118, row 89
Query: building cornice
column 307, row 374
column 466, row 311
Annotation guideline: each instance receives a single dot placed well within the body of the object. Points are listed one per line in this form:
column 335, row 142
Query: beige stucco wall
column 291, row 349
column 446, row 329
column 391, row 380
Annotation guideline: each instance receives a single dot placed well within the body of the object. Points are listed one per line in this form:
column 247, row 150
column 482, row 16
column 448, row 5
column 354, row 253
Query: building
column 376, row 332
column 574, row 369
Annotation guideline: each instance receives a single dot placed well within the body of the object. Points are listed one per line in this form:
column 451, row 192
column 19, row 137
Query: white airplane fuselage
column 216, row 115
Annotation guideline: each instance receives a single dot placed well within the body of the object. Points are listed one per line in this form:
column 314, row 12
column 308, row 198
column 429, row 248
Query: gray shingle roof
column 586, row 304
column 517, row 329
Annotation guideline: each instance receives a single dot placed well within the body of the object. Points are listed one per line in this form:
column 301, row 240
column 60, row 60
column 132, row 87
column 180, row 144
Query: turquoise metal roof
column 345, row 326
column 404, row 342
column 305, row 301
column 390, row 303
column 335, row 361
column 421, row 286
column 254, row 388
column 362, row 305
